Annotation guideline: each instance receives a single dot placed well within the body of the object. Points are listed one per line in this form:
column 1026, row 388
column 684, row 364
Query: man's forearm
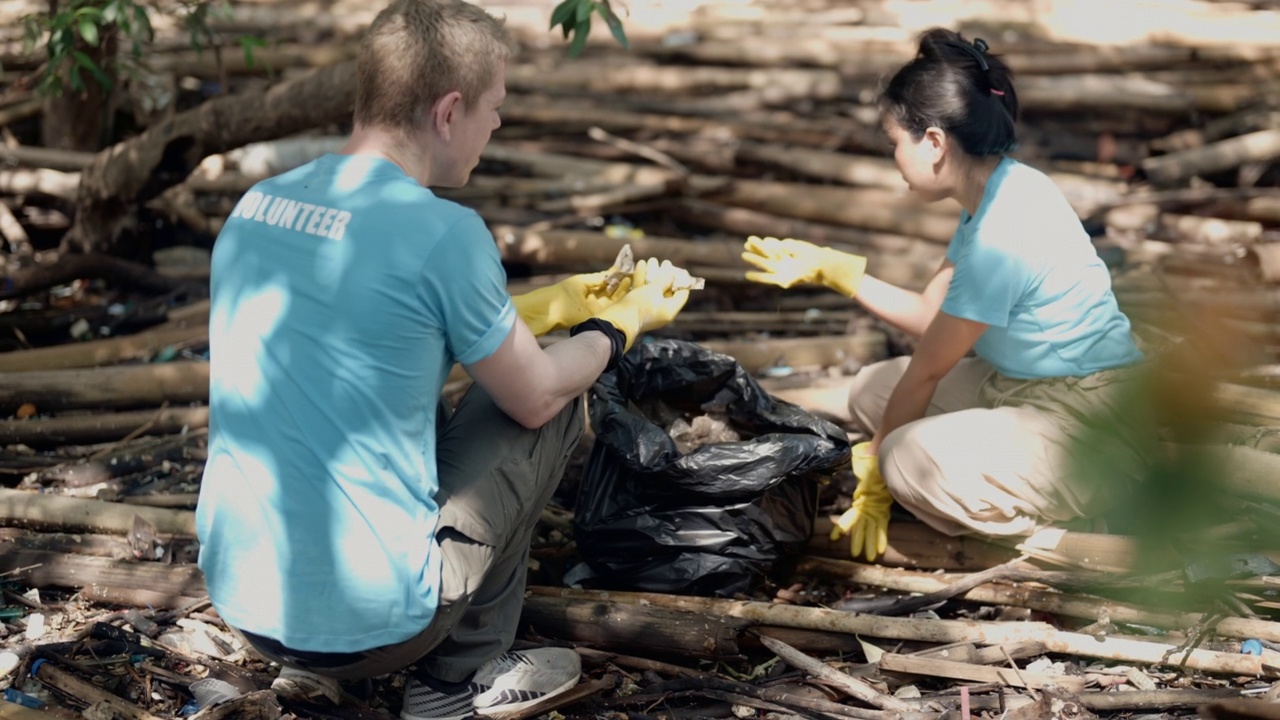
column 577, row 362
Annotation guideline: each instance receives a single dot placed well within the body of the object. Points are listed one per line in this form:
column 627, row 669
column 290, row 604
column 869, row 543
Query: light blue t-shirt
column 1025, row 266
column 343, row 292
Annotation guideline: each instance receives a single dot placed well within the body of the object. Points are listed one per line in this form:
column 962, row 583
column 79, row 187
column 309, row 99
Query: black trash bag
column 712, row 521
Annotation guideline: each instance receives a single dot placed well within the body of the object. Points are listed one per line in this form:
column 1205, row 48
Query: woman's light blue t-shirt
column 1025, row 266
column 342, row 294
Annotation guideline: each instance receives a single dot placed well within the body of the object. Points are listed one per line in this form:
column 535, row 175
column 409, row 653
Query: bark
column 102, row 427
column 88, row 693
column 851, row 686
column 919, row 629
column 67, row 268
column 101, row 352
column 869, row 208
column 1048, row 601
column 137, row 170
column 1261, row 146
column 50, row 512
column 127, row 386
column 53, row 183
column 1011, row 677
column 644, row 78
column 632, row 629
column 904, row 261
column 49, row 158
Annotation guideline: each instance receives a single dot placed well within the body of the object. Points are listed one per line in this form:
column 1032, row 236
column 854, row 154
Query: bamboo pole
column 927, row 630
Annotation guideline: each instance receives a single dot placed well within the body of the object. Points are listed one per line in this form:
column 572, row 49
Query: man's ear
column 444, row 113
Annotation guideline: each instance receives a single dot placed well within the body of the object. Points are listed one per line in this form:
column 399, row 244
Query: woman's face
column 919, row 161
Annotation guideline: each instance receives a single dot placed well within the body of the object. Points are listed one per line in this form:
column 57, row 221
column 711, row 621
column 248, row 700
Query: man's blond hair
column 417, row 51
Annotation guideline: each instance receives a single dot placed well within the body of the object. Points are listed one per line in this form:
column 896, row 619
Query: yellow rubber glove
column 658, row 293
column 568, row 302
column 787, row 263
column 867, row 522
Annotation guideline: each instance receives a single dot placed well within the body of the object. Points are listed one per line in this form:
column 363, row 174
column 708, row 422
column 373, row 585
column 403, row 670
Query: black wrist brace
column 617, row 341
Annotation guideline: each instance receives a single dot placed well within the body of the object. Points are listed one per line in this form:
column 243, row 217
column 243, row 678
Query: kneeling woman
column 981, row 444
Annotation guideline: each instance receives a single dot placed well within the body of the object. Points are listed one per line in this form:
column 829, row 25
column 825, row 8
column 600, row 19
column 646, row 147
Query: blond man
column 349, row 526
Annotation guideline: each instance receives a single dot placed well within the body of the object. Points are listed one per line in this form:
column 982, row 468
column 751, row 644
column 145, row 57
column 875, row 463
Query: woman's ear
column 935, row 143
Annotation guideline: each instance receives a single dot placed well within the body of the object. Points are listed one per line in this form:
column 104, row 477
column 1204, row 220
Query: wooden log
column 105, row 546
column 1266, row 256
column 1100, row 92
column 1261, row 146
column 1048, row 601
column 819, row 84
column 40, row 182
column 50, row 512
column 1263, row 209
column 73, row 267
column 1011, row 677
column 88, row 693
column 100, row 352
column 1209, row 230
column 127, row 386
column 12, row 232
column 142, row 167
column 48, row 158
column 102, row 427
column 904, row 261
column 566, row 115
column 871, row 208
column 851, row 686
column 155, row 584
column 1249, row 404
column 926, row 630
column 626, row 628
column 21, row 111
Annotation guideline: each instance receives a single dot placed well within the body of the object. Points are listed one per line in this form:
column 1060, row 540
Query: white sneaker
column 510, row 682
column 297, row 684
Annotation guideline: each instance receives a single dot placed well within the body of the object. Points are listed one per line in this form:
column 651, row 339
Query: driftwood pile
column 734, row 119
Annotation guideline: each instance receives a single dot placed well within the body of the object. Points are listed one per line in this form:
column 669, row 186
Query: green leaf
column 580, row 32
column 88, row 64
column 89, row 31
column 111, row 12
column 584, row 11
column 248, row 43
column 563, row 12
column 144, row 22
column 615, row 25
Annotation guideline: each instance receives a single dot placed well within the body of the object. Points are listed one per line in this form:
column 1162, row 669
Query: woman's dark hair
column 957, row 86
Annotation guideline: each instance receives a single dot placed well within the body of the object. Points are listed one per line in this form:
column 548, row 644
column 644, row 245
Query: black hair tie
column 979, row 51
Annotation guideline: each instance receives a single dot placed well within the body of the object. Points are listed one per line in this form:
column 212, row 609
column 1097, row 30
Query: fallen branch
column 101, row 352
column 924, row 630
column 102, row 427
column 148, row 385
column 852, row 686
column 75, row 267
column 1168, row 169
column 53, row 513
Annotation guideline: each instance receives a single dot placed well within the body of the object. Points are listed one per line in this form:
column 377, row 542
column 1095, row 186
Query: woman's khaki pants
column 1001, row 456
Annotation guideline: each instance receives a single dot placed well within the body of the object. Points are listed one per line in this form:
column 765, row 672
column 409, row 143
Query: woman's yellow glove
column 867, row 522
column 787, row 263
column 658, row 293
column 569, row 302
